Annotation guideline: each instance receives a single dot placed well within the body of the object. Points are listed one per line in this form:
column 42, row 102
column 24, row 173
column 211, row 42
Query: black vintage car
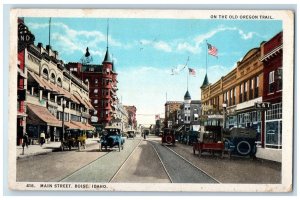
column 111, row 138
column 240, row 141
column 168, row 137
column 130, row 134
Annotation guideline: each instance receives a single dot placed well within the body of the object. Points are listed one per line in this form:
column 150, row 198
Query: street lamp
column 224, row 105
column 63, row 121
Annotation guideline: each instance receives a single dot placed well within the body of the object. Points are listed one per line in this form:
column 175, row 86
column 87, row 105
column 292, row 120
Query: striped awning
column 38, row 115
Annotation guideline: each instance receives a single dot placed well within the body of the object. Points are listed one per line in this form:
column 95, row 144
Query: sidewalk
column 46, row 148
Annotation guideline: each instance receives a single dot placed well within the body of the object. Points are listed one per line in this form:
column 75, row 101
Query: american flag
column 157, row 117
column 212, row 50
column 192, row 72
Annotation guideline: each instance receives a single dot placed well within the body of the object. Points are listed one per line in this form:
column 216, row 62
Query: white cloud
column 246, row 36
column 78, row 38
column 185, row 46
column 161, row 45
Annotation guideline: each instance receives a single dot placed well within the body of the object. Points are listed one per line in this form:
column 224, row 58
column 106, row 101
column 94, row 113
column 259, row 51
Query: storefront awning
column 71, row 125
column 39, row 80
column 38, row 115
column 90, row 106
column 79, row 98
column 83, row 126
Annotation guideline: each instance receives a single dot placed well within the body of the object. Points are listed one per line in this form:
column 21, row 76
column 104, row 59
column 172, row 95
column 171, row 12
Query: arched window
column 45, row 72
column 52, row 78
column 96, row 81
column 59, row 81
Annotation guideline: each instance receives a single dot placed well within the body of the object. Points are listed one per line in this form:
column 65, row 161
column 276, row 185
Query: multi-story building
column 188, row 115
column 257, row 78
column 25, row 38
column 121, row 118
column 235, row 95
column 271, row 56
column 102, row 81
column 52, row 91
column 171, row 116
column 132, row 122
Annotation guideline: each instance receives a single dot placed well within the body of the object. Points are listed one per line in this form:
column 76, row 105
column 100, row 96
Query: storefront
column 273, row 126
column 41, row 120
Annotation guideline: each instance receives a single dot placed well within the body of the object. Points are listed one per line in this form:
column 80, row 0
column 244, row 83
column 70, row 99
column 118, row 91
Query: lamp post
column 63, row 122
column 224, row 105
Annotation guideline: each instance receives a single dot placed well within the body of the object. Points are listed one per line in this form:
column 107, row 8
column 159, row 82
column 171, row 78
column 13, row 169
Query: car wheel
column 243, row 148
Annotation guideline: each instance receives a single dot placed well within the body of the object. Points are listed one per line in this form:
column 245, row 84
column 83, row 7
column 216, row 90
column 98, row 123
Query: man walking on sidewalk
column 25, row 142
column 42, row 138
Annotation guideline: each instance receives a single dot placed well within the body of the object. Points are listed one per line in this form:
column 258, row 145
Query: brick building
column 236, row 92
column 23, row 33
column 271, row 56
column 132, row 122
column 102, row 81
column 171, row 115
column 257, row 78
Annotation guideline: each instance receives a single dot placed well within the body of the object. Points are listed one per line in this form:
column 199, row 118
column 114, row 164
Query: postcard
column 151, row 100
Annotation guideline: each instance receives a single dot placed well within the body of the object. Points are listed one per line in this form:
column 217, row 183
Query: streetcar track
column 187, row 162
column 125, row 161
column 161, row 162
column 83, row 167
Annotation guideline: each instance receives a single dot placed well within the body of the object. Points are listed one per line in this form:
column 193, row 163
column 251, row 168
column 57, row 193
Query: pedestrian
column 144, row 135
column 25, row 142
column 42, row 138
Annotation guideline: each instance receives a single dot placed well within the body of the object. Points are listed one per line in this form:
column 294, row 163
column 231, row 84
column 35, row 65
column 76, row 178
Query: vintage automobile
column 241, row 141
column 111, row 138
column 168, row 137
column 236, row 141
column 74, row 138
column 131, row 134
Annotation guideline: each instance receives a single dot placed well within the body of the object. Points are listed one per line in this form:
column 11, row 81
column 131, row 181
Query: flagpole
column 49, row 30
column 206, row 55
column 187, row 78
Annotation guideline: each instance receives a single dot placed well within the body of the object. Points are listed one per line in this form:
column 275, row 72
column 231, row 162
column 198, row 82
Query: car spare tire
column 243, row 148
column 168, row 139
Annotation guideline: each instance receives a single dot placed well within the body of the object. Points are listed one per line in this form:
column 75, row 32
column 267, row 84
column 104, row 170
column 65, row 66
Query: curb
column 45, row 152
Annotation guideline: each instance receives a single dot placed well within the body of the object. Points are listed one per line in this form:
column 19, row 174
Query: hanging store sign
column 25, row 37
column 262, row 105
column 94, row 119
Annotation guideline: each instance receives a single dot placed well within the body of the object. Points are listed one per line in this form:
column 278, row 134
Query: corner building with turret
column 102, row 81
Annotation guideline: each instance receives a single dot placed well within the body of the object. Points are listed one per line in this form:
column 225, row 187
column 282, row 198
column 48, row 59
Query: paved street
column 144, row 161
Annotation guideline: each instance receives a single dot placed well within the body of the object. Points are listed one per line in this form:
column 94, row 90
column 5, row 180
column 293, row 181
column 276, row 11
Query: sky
column 146, row 50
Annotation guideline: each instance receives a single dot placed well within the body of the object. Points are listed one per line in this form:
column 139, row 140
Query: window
column 91, row 69
column 96, row 101
column 96, row 81
column 45, row 72
column 271, row 82
column 234, row 95
column 245, row 89
column 96, row 91
column 95, row 112
column 279, row 79
column 256, row 87
column 86, row 80
column 59, row 81
column 52, row 77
